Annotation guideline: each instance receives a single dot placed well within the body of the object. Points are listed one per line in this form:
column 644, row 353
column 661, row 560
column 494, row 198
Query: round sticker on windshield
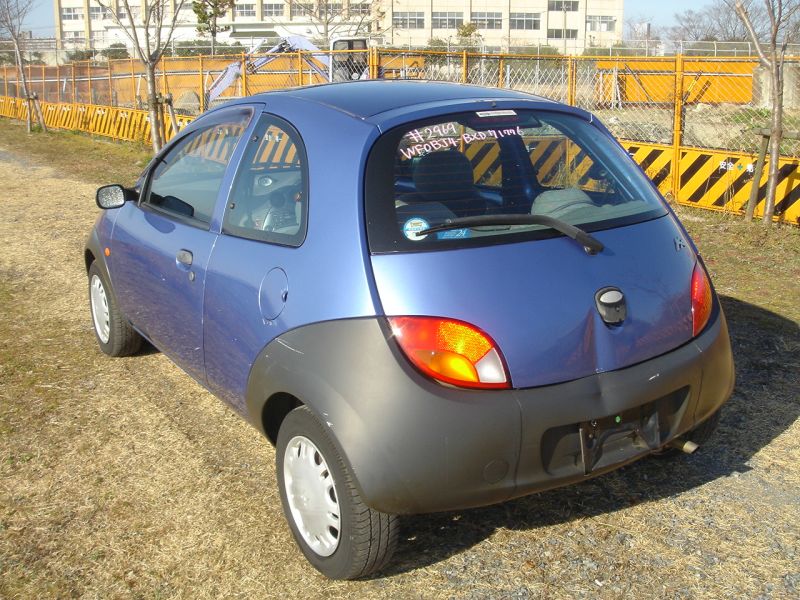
column 413, row 226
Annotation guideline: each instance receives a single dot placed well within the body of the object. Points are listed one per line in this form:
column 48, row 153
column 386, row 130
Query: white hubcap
column 100, row 313
column 312, row 496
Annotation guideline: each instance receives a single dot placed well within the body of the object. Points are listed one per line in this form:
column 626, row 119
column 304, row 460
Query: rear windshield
column 499, row 162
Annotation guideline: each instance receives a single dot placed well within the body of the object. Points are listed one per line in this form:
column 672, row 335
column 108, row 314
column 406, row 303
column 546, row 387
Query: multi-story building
column 568, row 25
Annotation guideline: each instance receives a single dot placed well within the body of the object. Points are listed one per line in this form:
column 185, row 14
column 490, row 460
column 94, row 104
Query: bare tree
column 150, row 29
column 783, row 25
column 331, row 18
column 12, row 17
column 717, row 22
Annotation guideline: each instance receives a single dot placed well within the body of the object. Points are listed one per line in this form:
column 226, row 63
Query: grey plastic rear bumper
column 416, row 446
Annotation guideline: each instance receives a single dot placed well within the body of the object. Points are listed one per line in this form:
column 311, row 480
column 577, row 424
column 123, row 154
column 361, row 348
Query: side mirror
column 111, row 196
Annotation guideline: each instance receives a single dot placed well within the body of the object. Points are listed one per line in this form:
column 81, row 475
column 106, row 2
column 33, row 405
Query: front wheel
column 115, row 335
column 339, row 535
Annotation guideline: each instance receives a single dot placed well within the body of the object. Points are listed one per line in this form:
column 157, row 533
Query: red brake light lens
column 451, row 351
column 701, row 299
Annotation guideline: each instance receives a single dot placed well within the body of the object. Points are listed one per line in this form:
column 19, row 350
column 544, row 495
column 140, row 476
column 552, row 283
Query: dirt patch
column 123, row 478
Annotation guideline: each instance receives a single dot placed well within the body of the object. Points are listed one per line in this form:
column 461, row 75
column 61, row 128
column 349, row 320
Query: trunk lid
column 536, row 299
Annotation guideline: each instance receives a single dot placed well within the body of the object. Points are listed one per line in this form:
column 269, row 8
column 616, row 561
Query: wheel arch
column 274, row 411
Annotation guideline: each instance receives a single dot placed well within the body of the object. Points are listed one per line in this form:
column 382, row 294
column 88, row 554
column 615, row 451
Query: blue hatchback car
column 428, row 296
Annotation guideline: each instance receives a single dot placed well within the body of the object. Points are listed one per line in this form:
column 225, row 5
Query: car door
column 256, row 254
column 161, row 246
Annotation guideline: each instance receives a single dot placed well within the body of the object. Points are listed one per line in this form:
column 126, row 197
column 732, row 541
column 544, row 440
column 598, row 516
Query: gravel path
column 124, row 478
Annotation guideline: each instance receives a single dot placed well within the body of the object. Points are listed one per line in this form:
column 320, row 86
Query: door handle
column 184, row 257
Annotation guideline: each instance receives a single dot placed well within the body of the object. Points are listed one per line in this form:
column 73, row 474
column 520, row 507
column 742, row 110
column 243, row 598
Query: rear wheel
column 339, row 535
column 115, row 335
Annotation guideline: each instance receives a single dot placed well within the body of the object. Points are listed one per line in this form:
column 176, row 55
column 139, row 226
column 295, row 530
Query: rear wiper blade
column 591, row 244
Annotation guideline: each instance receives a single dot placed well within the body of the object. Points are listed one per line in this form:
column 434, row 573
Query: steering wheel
column 281, row 212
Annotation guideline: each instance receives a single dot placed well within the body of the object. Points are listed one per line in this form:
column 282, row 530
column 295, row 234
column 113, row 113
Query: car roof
column 364, row 99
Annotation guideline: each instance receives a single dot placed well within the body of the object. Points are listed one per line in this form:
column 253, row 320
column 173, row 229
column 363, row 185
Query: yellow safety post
column 464, row 67
column 202, row 88
column 244, row 75
column 677, row 131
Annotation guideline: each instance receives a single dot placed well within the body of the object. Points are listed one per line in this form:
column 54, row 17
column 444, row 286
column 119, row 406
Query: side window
column 186, row 181
column 269, row 198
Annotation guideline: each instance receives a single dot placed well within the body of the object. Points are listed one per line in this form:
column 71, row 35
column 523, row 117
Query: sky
column 659, row 12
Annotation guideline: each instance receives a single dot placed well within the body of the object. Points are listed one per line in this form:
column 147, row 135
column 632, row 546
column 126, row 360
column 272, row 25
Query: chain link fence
column 715, row 103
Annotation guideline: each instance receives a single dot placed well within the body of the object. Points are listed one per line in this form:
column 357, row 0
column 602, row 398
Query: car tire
column 115, row 335
column 351, row 540
column 699, row 435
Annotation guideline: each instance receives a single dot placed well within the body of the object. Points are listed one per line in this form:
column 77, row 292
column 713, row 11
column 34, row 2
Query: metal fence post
column 5, row 80
column 572, row 84
column 74, row 90
column 89, row 76
column 244, row 75
column 374, row 63
column 677, row 131
column 44, row 83
column 500, row 69
column 110, row 85
column 133, row 86
column 202, row 88
column 464, row 67
column 58, row 83
column 299, row 67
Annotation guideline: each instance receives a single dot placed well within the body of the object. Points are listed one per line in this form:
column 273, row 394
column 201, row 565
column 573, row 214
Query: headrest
column 444, row 175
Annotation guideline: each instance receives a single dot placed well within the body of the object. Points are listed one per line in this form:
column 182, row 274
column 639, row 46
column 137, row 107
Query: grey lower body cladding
column 417, row 446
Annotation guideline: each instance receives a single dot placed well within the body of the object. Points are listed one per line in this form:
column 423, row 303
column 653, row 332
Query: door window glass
column 186, row 181
column 269, row 198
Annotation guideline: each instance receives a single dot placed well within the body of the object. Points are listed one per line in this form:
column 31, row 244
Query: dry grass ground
column 123, row 478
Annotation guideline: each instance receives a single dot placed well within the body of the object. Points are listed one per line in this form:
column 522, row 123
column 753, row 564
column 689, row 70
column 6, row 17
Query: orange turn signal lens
column 701, row 299
column 451, row 351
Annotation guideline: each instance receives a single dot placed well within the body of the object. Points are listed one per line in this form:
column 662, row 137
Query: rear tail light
column 701, row 299
column 451, row 351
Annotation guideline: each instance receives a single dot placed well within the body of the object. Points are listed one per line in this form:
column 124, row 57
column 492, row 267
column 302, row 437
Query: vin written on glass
column 427, row 145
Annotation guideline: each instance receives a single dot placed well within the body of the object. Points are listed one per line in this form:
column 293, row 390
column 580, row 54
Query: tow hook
column 684, row 445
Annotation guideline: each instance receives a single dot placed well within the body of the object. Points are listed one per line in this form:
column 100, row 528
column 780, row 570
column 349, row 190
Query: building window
column 123, row 14
column 562, row 34
column 272, row 10
column 596, row 23
column 487, row 20
column 330, row 9
column 75, row 37
column 360, row 8
column 527, row 21
column 302, row 9
column 562, row 6
column 245, row 10
column 98, row 13
column 408, row 20
column 447, row 20
column 71, row 14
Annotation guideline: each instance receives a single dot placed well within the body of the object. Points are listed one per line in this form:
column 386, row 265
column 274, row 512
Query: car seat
column 446, row 178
